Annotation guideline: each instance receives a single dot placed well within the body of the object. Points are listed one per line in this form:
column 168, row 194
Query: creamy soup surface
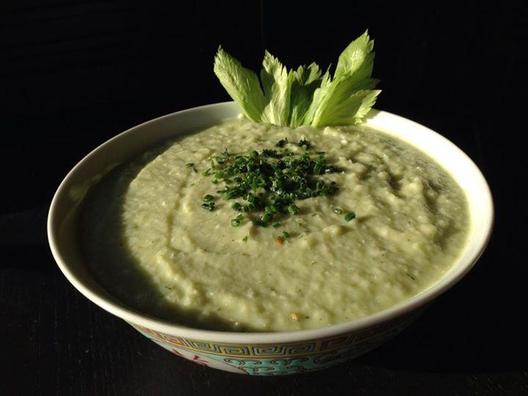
column 149, row 241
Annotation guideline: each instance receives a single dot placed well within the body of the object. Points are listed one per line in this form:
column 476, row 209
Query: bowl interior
column 62, row 226
column 464, row 172
column 62, row 218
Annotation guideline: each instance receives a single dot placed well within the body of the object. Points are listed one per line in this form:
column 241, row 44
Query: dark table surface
column 74, row 73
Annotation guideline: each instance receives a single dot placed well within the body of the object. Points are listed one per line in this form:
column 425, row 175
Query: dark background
column 74, row 73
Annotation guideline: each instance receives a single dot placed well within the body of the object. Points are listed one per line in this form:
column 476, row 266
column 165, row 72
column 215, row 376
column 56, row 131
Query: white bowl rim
column 138, row 318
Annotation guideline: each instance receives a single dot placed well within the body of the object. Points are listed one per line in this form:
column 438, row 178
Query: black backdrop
column 74, row 73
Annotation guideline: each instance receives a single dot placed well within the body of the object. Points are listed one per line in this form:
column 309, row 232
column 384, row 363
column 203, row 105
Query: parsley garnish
column 208, row 202
column 281, row 143
column 350, row 216
column 267, row 184
column 237, row 220
column 191, row 165
column 305, row 143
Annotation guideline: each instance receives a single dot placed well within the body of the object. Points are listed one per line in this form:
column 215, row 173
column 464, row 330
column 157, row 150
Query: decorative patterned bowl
column 261, row 353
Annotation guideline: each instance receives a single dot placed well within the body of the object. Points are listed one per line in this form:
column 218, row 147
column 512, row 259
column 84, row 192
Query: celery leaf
column 357, row 55
column 276, row 82
column 241, row 84
column 305, row 82
column 304, row 96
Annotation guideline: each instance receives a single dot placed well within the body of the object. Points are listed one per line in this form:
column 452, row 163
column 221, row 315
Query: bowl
column 261, row 353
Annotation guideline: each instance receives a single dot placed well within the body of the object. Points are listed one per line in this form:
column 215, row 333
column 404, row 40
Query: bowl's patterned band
column 279, row 358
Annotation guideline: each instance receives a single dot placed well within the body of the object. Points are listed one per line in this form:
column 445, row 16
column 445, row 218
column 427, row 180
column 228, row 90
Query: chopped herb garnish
column 276, row 225
column 265, row 220
column 191, row 165
column 237, row 206
column 350, row 216
column 208, row 202
column 293, row 209
column 271, row 153
column 304, row 143
column 267, row 183
column 210, row 206
column 285, row 234
column 245, row 239
column 281, row 143
column 237, row 220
